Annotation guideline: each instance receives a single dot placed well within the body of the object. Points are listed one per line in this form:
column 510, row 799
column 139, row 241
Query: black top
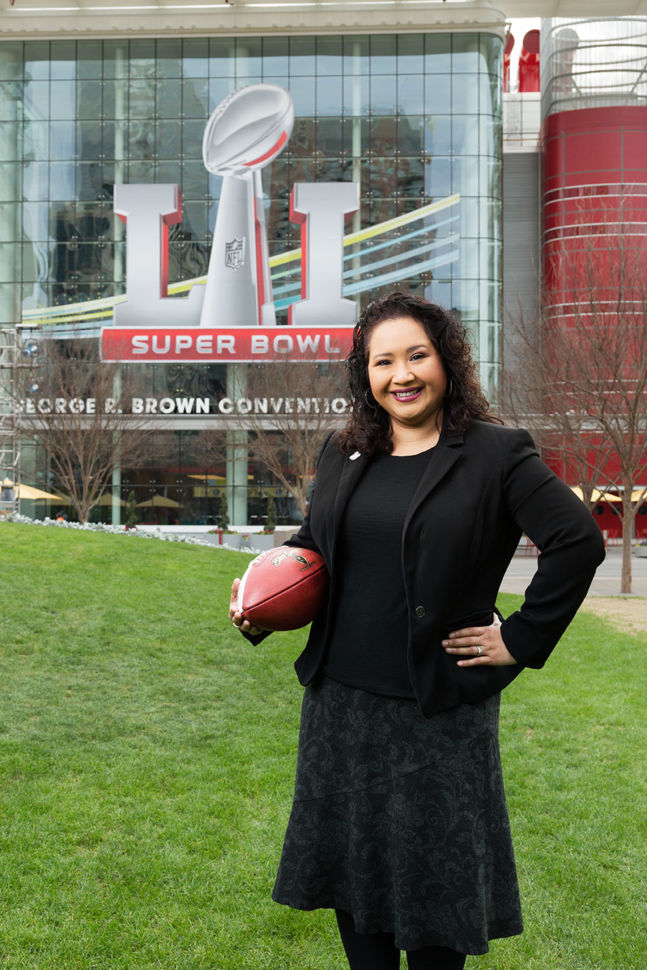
column 368, row 648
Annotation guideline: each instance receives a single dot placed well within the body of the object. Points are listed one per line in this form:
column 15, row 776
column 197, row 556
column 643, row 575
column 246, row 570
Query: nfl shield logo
column 235, row 253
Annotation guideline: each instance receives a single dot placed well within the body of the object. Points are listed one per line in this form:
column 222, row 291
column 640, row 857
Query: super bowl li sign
column 232, row 317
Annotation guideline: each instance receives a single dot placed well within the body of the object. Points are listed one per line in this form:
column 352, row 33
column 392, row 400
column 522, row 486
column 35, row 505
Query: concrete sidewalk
column 606, row 582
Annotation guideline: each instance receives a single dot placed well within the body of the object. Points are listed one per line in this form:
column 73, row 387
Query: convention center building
column 405, row 158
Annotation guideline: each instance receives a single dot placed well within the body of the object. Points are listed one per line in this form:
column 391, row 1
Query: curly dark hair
column 368, row 429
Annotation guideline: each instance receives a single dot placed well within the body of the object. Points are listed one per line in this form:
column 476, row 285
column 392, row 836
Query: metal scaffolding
column 9, row 433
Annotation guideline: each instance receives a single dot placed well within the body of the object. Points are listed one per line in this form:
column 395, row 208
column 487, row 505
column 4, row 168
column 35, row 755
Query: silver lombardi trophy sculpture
column 245, row 132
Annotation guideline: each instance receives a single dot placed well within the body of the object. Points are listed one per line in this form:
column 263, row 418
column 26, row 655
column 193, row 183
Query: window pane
column 35, row 181
column 438, row 177
column 356, row 95
column 411, row 177
column 170, row 172
column 194, row 180
column 63, row 59
column 37, row 60
column 275, row 56
column 383, row 94
column 141, row 102
column 195, row 98
column 195, row 57
column 329, row 56
column 114, row 99
column 36, row 100
column 411, row 134
column 490, row 88
column 192, row 133
column 302, row 90
column 9, row 222
column 465, row 53
column 411, row 48
column 169, row 94
column 469, row 214
column 109, row 135
column 36, row 137
column 356, row 55
column 302, row 55
column 437, row 94
column 63, row 99
column 10, row 61
column 466, row 175
column 115, row 59
column 221, row 57
column 383, row 178
column 89, row 100
column 61, row 181
column 329, row 95
column 62, row 143
column 194, row 219
column 169, row 57
column 142, row 58
column 492, row 53
column 334, row 170
column 88, row 140
column 139, row 142
column 249, row 61
column 465, row 94
column 334, row 138
column 89, row 59
column 383, row 136
column 9, row 101
column 219, row 88
column 438, row 136
column 383, row 54
column 438, row 54
column 465, row 134
column 138, row 171
column 411, row 94
column 490, row 132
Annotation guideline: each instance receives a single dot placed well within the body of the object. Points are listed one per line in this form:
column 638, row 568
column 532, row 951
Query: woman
column 399, row 820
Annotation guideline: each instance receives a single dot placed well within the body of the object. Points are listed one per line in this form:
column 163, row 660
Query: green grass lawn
column 146, row 764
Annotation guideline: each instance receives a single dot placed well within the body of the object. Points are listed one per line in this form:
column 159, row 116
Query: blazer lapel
column 443, row 457
column 352, row 470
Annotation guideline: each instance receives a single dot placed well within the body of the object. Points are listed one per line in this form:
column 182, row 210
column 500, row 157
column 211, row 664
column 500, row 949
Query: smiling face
column 406, row 375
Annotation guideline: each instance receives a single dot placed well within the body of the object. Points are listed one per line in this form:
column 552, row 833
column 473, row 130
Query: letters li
column 149, row 210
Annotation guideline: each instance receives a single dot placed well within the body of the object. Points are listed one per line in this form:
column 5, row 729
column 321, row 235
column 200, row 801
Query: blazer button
column 420, row 612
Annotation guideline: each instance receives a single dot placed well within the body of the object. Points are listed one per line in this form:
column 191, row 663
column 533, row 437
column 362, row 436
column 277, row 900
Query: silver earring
column 370, row 404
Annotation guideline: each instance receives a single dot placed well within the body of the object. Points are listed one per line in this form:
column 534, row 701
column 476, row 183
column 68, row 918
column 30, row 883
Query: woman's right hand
column 236, row 618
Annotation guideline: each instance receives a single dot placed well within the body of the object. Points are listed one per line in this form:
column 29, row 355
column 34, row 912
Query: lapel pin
column 355, row 455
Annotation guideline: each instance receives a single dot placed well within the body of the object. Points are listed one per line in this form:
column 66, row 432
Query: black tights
column 377, row 951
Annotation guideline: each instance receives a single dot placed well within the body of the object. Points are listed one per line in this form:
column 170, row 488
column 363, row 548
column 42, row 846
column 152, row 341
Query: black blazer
column 480, row 491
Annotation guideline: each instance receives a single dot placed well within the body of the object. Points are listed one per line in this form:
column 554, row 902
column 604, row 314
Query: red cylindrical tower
column 594, row 192
column 594, row 146
column 594, row 238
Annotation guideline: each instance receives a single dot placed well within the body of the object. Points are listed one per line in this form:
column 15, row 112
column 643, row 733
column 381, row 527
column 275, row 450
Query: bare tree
column 287, row 410
column 77, row 408
column 580, row 377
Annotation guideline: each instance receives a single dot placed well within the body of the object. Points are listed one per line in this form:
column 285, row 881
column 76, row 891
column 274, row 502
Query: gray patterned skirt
column 401, row 821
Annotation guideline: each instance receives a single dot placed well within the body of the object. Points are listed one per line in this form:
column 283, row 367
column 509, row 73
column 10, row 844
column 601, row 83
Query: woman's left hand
column 465, row 644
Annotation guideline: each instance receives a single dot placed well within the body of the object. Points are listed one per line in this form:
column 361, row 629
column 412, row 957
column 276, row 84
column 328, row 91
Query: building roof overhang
column 105, row 18
column 131, row 18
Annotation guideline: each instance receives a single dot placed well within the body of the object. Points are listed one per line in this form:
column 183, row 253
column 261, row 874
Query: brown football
column 283, row 588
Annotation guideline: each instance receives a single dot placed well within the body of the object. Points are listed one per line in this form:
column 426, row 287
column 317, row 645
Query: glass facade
column 413, row 118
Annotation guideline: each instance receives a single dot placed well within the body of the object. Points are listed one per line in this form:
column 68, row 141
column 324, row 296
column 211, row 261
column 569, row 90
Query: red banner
column 226, row 344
